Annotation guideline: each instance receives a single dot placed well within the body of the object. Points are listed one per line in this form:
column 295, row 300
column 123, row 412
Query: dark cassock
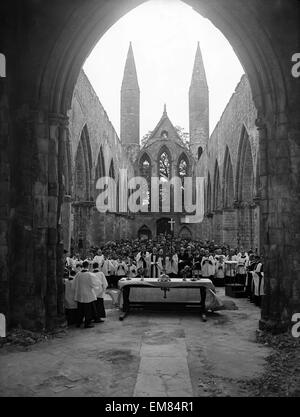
column 154, row 267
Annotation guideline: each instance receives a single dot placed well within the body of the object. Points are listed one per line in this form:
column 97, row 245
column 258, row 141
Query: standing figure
column 85, row 295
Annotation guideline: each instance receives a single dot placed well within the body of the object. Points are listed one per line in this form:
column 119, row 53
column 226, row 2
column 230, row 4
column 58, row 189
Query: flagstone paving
column 167, row 354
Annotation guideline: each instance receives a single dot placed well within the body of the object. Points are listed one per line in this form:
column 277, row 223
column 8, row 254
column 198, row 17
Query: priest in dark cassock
column 154, row 268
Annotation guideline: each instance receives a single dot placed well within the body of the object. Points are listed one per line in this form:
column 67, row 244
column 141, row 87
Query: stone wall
column 238, row 223
column 91, row 228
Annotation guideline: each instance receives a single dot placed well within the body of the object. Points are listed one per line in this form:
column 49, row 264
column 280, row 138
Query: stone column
column 217, row 225
column 280, row 222
column 230, row 227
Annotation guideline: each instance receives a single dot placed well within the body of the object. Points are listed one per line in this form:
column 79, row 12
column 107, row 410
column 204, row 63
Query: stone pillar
column 230, row 227
column 217, row 226
column 280, row 222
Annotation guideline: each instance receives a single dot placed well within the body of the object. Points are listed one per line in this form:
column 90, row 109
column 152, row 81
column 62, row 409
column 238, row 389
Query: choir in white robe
column 219, row 266
column 172, row 265
column 207, row 266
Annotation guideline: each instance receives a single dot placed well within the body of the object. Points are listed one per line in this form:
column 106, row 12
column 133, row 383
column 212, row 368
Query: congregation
column 87, row 277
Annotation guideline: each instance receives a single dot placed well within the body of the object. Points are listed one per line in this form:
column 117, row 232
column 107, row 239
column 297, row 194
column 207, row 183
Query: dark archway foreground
column 45, row 44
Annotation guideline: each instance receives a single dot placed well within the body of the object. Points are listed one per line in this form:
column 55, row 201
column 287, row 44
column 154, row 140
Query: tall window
column 145, row 171
column 164, row 173
column 164, row 166
column 182, row 172
column 112, row 170
column 83, row 164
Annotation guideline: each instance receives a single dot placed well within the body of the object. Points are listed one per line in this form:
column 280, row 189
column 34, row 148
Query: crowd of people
column 87, row 278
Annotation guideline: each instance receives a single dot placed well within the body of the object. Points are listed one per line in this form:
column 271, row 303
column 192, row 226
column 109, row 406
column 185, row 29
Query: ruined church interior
column 59, row 142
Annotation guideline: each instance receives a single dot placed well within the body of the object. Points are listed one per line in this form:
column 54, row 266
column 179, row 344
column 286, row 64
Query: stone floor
column 148, row 354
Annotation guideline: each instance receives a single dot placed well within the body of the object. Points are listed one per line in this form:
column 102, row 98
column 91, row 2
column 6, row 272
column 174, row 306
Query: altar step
column 235, row 291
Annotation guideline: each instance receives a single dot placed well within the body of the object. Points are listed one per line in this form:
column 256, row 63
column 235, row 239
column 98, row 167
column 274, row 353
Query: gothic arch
column 183, row 166
column 245, row 169
column 67, row 166
column 228, row 181
column 217, row 196
column 144, row 232
column 185, row 233
column 208, row 194
column 145, row 165
column 100, row 167
column 164, row 162
column 83, row 168
column 112, row 170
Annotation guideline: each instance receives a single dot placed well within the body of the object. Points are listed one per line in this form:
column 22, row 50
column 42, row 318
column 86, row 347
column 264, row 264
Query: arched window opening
column 112, row 170
column 145, row 169
column 83, row 164
column 200, row 151
column 228, row 181
column 182, row 172
column 208, row 195
column 217, row 203
column 245, row 171
column 164, row 166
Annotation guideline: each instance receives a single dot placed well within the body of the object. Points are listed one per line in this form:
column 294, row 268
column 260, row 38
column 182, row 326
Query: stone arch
column 208, row 195
column 83, row 168
column 185, row 233
column 145, row 170
column 184, row 170
column 71, row 32
column 228, row 181
column 245, row 170
column 100, row 167
column 217, row 196
column 144, row 232
column 111, row 171
column 200, row 152
column 145, row 165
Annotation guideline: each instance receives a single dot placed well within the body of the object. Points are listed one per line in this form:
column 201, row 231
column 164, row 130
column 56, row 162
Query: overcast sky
column 164, row 34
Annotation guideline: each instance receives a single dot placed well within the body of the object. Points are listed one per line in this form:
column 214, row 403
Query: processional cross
column 172, row 222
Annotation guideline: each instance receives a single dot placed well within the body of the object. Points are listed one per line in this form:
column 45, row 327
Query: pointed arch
column 112, row 170
column 228, row 180
column 100, row 167
column 145, row 170
column 217, row 197
column 144, row 233
column 208, row 194
column 83, row 168
column 164, row 163
column 245, row 169
column 183, row 166
column 145, row 166
column 185, row 233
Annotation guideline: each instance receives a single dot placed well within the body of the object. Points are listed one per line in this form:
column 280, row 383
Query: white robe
column 139, row 261
column 242, row 264
column 219, row 266
column 207, row 266
column 101, row 280
column 230, row 269
column 85, row 286
column 172, row 264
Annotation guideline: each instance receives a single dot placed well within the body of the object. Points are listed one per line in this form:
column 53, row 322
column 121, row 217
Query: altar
column 145, row 291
